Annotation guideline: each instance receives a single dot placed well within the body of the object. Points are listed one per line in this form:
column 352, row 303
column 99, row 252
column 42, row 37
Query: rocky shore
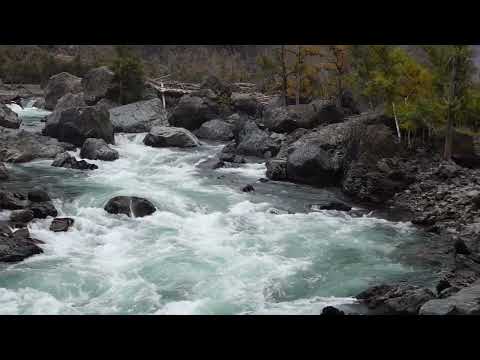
column 317, row 144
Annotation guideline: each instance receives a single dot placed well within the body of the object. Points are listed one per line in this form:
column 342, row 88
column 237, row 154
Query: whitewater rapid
column 209, row 248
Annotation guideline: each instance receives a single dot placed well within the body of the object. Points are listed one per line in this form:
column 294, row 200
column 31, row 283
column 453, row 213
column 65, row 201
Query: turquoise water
column 209, row 249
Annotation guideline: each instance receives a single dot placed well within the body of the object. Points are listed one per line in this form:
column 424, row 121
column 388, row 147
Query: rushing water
column 209, row 248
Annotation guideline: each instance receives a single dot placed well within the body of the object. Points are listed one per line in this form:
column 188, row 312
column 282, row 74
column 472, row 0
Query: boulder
column 3, row 172
column 38, row 195
column 163, row 136
column 17, row 246
column 192, row 111
column 70, row 100
column 19, row 146
column 59, row 85
column 219, row 87
column 211, row 164
column 251, row 141
column 108, row 104
column 248, row 188
column 138, row 117
column 349, row 104
column 286, row 119
column 13, row 200
column 331, row 311
column 246, row 103
column 97, row 83
column 8, row 118
column 399, row 299
column 215, row 130
column 335, row 205
column 98, row 149
column 130, row 206
column 42, row 210
column 61, row 224
column 65, row 160
column 277, row 170
column 22, row 216
column 464, row 302
column 75, row 125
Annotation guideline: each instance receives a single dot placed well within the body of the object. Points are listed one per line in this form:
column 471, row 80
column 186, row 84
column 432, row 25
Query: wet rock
column 139, row 117
column 59, row 85
column 464, row 302
column 42, row 210
column 61, row 224
column 215, row 129
column 19, row 146
column 75, row 125
column 3, row 172
column 65, row 160
column 22, row 216
column 277, row 170
column 331, row 311
column 400, row 299
column 15, row 247
column 98, row 149
column 248, row 188
column 212, row 164
column 8, row 118
column 38, row 195
column 334, row 205
column 130, row 206
column 163, row 136
column 13, row 200
column 232, row 158
column 97, row 83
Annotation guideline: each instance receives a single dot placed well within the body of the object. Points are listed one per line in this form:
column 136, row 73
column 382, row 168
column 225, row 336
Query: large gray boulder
column 464, row 302
column 70, row 100
column 286, row 119
column 98, row 149
column 97, row 83
column 59, row 85
column 9, row 118
column 130, row 205
column 164, row 136
column 18, row 146
column 138, row 117
column 252, row 141
column 246, row 103
column 215, row 130
column 192, row 111
column 75, row 125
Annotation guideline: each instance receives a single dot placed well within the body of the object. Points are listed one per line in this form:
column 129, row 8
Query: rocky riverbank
column 317, row 144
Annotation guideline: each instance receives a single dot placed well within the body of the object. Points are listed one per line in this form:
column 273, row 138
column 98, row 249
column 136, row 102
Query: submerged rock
column 65, row 160
column 248, row 188
column 335, row 205
column 98, row 149
column 61, row 224
column 130, row 206
column 163, row 136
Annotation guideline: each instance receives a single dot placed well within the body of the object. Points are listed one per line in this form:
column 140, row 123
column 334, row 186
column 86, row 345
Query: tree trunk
column 399, row 134
column 299, row 59
column 447, row 155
